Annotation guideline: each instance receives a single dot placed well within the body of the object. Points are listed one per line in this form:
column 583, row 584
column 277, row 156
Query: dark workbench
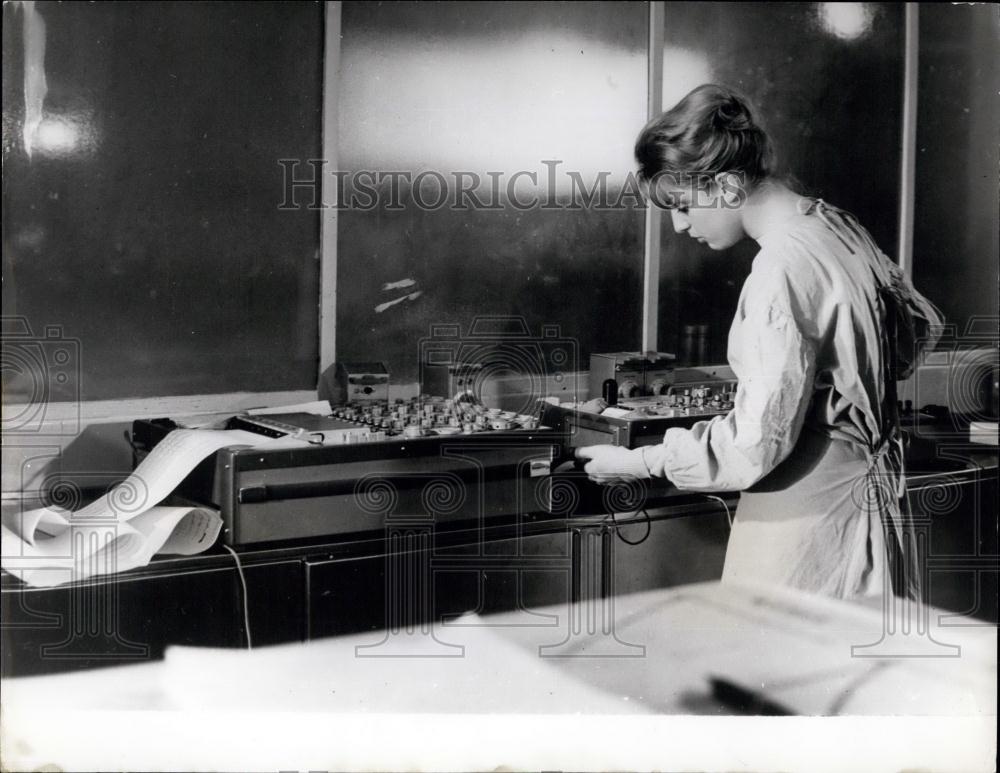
column 368, row 581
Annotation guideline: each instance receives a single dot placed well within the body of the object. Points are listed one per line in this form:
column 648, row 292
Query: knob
column 609, row 391
column 628, row 389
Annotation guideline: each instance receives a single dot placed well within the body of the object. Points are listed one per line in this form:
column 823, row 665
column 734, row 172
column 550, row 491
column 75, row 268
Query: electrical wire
column 722, row 502
column 246, row 605
column 618, row 530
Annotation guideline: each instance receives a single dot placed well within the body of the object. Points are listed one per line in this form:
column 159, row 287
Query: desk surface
column 647, row 652
column 618, row 663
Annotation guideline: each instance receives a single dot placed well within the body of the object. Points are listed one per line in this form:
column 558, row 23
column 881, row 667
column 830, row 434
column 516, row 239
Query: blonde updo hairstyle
column 710, row 131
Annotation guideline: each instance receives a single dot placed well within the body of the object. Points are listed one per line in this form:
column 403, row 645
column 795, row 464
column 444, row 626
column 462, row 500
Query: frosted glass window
column 827, row 84
column 491, row 89
column 144, row 227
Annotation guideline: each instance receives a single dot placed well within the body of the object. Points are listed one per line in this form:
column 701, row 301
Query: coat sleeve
column 918, row 322
column 775, row 365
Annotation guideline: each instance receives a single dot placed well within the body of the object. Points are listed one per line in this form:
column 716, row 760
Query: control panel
column 637, row 374
column 677, row 401
column 640, row 421
column 428, row 415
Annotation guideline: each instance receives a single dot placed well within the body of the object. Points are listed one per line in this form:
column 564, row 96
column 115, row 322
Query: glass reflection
column 532, row 102
column 821, row 100
column 66, row 135
column 846, row 21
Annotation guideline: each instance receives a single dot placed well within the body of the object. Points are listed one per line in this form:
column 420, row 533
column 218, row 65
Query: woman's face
column 706, row 212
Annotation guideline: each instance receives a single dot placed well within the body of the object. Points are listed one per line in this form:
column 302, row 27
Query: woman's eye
column 683, row 209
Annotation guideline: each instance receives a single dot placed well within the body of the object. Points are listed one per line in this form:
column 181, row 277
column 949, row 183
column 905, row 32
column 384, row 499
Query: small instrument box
column 347, row 382
column 637, row 373
column 688, row 395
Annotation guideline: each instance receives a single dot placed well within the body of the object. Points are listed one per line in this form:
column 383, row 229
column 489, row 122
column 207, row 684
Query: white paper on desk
column 830, row 684
column 817, row 672
column 183, row 531
column 40, row 522
column 160, row 472
column 91, row 549
column 466, row 669
column 317, row 408
column 123, row 529
column 74, row 555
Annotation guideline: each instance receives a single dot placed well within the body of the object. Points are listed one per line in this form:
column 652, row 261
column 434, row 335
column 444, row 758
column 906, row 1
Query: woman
column 824, row 326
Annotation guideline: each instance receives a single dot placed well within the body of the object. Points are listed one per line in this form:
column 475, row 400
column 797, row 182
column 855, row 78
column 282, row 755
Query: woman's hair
column 711, row 130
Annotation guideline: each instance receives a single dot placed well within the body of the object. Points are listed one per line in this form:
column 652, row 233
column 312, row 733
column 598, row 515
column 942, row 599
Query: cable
column 906, row 513
column 246, row 606
column 618, row 531
column 722, row 502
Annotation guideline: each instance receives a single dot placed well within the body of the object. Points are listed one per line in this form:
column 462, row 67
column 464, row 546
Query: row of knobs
column 418, row 417
column 695, row 397
column 701, row 397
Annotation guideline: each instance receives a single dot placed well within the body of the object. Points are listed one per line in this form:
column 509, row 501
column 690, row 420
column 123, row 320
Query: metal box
column 687, row 396
column 345, row 382
column 323, row 491
column 635, row 372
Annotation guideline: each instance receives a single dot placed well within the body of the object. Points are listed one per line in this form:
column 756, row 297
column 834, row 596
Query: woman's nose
column 681, row 223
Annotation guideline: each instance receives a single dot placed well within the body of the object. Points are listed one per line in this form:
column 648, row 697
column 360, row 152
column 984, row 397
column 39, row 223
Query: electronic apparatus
column 683, row 396
column 687, row 395
column 429, row 458
column 493, row 355
column 452, row 378
column 637, row 373
column 310, row 427
column 345, row 382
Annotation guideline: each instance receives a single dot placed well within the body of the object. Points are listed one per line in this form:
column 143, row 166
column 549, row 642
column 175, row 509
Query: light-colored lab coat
column 812, row 440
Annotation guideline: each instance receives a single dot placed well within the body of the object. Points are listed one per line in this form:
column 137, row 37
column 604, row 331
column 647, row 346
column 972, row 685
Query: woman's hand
column 608, row 464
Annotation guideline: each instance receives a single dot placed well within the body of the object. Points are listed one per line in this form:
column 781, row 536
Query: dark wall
column 956, row 242
column 489, row 88
column 826, row 81
column 145, row 223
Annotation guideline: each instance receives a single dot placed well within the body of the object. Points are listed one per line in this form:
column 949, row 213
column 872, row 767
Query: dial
column 629, row 389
